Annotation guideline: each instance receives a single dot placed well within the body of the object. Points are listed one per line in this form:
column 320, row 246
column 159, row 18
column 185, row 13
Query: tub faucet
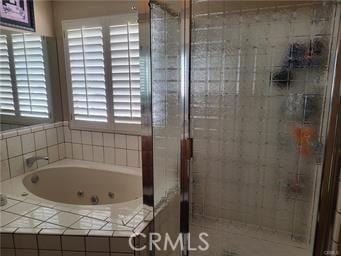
column 30, row 161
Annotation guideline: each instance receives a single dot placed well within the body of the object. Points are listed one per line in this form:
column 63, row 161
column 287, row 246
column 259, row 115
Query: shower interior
column 260, row 84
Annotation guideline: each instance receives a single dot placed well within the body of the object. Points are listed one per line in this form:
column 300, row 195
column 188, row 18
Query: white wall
column 43, row 17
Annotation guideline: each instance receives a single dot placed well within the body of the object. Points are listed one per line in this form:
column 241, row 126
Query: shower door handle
column 186, row 155
column 188, row 148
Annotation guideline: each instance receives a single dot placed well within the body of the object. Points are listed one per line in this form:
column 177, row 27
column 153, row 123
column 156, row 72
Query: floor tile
column 64, row 219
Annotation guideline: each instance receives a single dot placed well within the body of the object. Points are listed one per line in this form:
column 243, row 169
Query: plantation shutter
column 6, row 91
column 87, row 74
column 30, row 75
column 124, row 41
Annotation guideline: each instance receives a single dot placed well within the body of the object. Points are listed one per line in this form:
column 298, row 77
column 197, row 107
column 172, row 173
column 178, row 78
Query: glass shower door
column 167, row 117
column 260, row 84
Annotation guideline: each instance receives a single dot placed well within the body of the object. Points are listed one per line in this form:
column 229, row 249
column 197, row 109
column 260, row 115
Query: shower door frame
column 331, row 162
column 146, row 103
column 144, row 16
column 187, row 141
column 330, row 173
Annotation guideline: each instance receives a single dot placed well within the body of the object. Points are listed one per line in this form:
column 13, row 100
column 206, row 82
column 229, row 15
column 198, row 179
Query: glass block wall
column 259, row 80
column 165, row 45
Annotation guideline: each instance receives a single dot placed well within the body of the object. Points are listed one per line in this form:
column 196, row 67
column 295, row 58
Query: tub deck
column 26, row 211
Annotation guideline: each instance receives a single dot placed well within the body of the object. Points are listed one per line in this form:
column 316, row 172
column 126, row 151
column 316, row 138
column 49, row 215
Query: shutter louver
column 87, row 74
column 6, row 90
column 125, row 61
column 30, row 75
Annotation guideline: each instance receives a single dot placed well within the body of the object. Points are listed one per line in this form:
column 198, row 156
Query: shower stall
column 260, row 85
column 239, row 98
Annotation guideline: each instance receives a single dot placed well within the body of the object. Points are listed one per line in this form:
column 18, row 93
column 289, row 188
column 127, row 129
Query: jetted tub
column 58, row 200
column 78, row 183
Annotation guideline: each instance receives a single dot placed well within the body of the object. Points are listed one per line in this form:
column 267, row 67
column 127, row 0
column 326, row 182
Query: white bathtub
column 78, row 183
column 52, row 201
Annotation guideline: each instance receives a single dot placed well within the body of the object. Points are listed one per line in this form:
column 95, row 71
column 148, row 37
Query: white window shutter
column 87, row 74
column 125, row 61
column 6, row 90
column 30, row 75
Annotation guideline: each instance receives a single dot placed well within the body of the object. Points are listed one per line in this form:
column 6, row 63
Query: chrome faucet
column 30, row 161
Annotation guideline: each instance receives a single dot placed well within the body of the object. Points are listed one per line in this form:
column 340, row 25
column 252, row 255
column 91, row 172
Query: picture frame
column 17, row 14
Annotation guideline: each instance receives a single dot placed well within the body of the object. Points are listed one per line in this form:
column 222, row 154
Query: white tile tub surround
column 45, row 228
column 58, row 142
column 25, row 209
column 16, row 166
column 28, row 144
column 119, row 149
column 76, row 137
column 86, row 138
column 38, row 140
column 28, row 227
column 108, row 139
column 14, row 146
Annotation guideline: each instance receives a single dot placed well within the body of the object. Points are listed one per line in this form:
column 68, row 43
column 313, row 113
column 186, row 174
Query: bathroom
column 170, row 127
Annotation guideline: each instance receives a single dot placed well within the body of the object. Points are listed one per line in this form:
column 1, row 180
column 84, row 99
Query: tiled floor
column 20, row 214
column 227, row 239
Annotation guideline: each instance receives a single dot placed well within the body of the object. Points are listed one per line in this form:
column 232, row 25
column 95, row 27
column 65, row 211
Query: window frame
column 17, row 118
column 105, row 23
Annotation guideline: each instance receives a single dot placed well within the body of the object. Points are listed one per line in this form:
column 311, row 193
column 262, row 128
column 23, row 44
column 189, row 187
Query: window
column 87, row 74
column 103, row 67
column 23, row 89
column 30, row 75
column 6, row 90
column 125, row 61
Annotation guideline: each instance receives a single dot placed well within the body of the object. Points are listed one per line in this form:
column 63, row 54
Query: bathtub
column 58, row 200
column 76, row 185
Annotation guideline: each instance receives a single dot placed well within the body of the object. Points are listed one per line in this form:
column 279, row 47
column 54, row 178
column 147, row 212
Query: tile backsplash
column 119, row 149
column 20, row 144
column 58, row 141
